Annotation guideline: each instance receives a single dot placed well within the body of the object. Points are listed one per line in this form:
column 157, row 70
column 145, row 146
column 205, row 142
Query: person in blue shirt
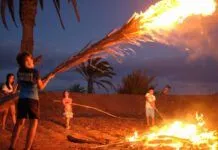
column 29, row 82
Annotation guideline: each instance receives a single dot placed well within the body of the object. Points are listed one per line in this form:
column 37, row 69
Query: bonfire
column 177, row 135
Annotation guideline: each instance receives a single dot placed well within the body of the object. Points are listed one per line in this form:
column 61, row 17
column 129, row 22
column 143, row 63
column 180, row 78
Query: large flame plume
column 167, row 14
column 154, row 25
column 160, row 22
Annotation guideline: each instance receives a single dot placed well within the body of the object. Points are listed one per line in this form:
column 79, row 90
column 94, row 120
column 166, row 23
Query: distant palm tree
column 136, row 82
column 96, row 72
column 77, row 88
column 27, row 13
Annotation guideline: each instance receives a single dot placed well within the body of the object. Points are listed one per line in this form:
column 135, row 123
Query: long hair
column 7, row 80
column 65, row 92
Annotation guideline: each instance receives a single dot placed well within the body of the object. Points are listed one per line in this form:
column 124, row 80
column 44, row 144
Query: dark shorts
column 28, row 108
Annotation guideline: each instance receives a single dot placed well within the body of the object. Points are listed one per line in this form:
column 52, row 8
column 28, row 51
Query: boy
column 150, row 106
column 28, row 103
column 166, row 90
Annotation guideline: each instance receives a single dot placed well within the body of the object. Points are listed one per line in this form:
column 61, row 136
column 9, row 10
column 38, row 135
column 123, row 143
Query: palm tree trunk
column 28, row 10
column 90, row 86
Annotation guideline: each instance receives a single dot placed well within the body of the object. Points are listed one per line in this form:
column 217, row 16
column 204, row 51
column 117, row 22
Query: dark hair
column 7, row 80
column 168, row 86
column 151, row 88
column 21, row 58
column 65, row 92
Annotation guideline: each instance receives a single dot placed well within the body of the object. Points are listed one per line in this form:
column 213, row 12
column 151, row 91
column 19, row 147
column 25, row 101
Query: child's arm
column 71, row 101
column 4, row 89
column 15, row 88
column 151, row 103
column 64, row 102
column 42, row 84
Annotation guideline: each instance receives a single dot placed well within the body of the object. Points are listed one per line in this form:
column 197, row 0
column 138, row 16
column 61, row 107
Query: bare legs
column 148, row 122
column 30, row 135
column 13, row 113
column 4, row 118
column 12, row 110
column 16, row 132
column 67, row 123
column 150, row 116
column 152, row 121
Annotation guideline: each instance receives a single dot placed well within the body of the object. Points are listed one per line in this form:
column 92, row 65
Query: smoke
column 198, row 36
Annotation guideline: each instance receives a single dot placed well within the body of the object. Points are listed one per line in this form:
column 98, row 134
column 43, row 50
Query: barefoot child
column 150, row 106
column 28, row 103
column 68, row 112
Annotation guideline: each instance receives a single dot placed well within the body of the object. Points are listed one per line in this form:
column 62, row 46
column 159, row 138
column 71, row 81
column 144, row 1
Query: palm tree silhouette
column 27, row 13
column 96, row 72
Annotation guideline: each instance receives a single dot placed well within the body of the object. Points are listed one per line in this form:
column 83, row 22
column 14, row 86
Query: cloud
column 167, row 63
column 51, row 58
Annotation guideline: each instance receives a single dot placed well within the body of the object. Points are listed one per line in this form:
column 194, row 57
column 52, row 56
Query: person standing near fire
column 150, row 106
column 28, row 103
column 166, row 90
column 7, row 89
column 68, row 111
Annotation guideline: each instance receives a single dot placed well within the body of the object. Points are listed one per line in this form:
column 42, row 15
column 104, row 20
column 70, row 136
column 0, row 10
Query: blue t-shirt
column 27, row 80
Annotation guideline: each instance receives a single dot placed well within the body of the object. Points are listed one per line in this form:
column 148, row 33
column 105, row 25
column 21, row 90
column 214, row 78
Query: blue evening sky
column 98, row 17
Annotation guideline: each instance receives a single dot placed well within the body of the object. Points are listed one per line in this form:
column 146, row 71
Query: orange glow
column 168, row 13
column 179, row 134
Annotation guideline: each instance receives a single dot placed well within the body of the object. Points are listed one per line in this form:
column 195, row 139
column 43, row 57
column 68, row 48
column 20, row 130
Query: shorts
column 149, row 112
column 28, row 108
column 68, row 114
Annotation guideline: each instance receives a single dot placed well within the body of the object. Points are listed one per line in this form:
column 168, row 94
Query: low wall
column 130, row 105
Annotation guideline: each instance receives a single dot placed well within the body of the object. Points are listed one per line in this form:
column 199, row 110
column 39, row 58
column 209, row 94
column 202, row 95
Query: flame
column 166, row 14
column 180, row 135
column 160, row 21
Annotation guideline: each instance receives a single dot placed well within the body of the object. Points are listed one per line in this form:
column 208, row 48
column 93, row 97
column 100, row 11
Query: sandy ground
column 98, row 131
column 95, row 130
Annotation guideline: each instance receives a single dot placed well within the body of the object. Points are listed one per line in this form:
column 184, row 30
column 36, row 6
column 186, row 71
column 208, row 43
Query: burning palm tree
column 27, row 13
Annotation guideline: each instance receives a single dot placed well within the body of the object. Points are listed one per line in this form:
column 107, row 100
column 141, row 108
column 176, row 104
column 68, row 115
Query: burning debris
column 177, row 135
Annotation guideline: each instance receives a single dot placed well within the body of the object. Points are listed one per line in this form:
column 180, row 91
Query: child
column 67, row 102
column 28, row 103
column 150, row 106
column 9, row 88
column 166, row 90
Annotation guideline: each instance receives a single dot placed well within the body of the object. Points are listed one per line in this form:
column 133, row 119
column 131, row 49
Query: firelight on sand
column 179, row 135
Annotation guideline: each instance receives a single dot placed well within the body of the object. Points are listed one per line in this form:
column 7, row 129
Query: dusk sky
column 170, row 64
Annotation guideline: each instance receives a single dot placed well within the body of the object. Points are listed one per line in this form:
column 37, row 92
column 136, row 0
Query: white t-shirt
column 6, row 89
column 149, row 98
